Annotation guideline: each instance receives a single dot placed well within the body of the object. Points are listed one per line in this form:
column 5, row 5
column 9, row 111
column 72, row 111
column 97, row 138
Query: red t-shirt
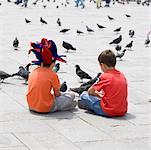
column 40, row 84
column 114, row 87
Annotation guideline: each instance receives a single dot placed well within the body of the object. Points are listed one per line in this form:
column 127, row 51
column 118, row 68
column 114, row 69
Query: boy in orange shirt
column 107, row 97
column 43, row 95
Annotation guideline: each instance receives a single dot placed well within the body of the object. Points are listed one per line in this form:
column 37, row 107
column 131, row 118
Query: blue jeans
column 79, row 1
column 92, row 103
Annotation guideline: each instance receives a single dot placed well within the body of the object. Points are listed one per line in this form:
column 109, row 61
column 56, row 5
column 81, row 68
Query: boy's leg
column 64, row 102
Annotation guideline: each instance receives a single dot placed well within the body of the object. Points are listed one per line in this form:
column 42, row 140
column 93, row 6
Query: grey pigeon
column 58, row 22
column 79, row 32
column 23, row 72
column 128, row 16
column 147, row 41
column 16, row 43
column 129, row 46
column 110, row 18
column 68, row 46
column 121, row 54
column 56, row 68
column 63, row 87
column 4, row 75
column 64, row 30
column 89, row 29
column 42, row 21
column 100, row 26
column 131, row 33
column 117, row 30
column 27, row 21
column 118, row 48
column 117, row 40
column 81, row 73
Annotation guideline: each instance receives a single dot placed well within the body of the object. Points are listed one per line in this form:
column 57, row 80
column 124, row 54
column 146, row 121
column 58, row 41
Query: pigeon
column 81, row 73
column 4, row 75
column 89, row 29
column 44, row 6
column 27, row 21
column 56, row 68
column 131, row 33
column 15, row 43
column 64, row 30
column 110, row 18
column 147, row 41
column 85, row 86
column 117, row 40
column 42, row 20
column 68, row 46
column 128, row 16
column 117, row 30
column 79, row 32
column 57, row 6
column 121, row 54
column 63, row 87
column 9, row 1
column 100, row 26
column 23, row 72
column 129, row 46
column 58, row 22
column 118, row 48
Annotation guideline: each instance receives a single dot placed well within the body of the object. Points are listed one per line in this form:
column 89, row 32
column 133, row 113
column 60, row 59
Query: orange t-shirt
column 40, row 84
column 114, row 87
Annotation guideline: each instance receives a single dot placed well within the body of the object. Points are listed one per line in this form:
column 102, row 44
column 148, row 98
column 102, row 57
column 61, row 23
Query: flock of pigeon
column 24, row 71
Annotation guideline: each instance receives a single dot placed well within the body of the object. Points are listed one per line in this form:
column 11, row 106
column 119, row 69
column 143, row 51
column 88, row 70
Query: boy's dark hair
column 48, row 65
column 107, row 57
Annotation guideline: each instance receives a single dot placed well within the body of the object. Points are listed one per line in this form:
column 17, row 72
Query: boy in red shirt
column 107, row 97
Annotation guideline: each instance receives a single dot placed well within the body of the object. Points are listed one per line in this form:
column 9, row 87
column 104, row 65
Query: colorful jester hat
column 45, row 52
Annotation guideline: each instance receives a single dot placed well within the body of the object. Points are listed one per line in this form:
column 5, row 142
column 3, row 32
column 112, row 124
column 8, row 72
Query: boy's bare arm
column 57, row 92
column 92, row 91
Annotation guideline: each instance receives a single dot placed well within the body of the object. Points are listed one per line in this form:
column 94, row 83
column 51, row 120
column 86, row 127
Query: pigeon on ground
column 27, row 21
column 117, row 40
column 16, row 43
column 56, row 68
column 42, row 21
column 100, row 26
column 68, row 46
column 23, row 72
column 110, row 18
column 121, row 54
column 147, row 41
column 81, row 73
column 4, row 75
column 63, row 87
column 131, row 33
column 129, row 46
column 79, row 32
column 117, row 30
column 89, row 29
column 58, row 22
column 118, row 48
column 128, row 16
column 85, row 86
column 9, row 1
column 44, row 6
column 64, row 30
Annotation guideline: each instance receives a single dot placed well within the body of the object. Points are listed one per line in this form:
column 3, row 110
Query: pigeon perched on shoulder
column 147, row 41
column 42, row 21
column 117, row 40
column 81, row 73
column 56, row 68
column 23, row 72
column 64, row 30
column 68, row 46
column 16, row 44
column 27, row 21
column 63, row 87
column 4, row 75
column 129, row 46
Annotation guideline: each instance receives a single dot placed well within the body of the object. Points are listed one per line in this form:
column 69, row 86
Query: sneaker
column 82, row 105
